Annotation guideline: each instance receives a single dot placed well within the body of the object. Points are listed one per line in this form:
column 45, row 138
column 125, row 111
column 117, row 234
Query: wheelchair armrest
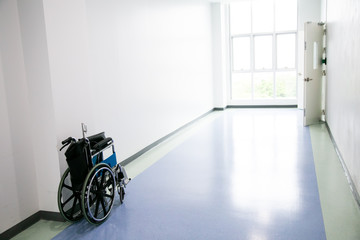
column 102, row 144
column 94, row 139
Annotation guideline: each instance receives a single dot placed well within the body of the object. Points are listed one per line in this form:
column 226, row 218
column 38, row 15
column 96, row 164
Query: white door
column 313, row 35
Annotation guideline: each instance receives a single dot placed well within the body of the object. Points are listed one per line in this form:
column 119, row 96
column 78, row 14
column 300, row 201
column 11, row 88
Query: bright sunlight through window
column 263, row 37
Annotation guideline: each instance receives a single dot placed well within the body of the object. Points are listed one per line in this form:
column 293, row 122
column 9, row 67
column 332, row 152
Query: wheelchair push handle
column 84, row 129
column 67, row 142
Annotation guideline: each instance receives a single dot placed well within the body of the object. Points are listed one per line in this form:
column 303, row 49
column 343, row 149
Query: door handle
column 307, row 79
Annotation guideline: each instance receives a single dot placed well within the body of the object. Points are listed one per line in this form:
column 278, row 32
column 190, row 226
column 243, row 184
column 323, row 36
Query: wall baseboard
column 21, row 226
column 353, row 188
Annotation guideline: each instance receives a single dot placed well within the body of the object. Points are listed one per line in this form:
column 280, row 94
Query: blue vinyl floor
column 244, row 175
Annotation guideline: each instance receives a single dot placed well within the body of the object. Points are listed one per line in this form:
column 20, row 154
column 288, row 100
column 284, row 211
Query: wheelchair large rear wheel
column 98, row 193
column 69, row 199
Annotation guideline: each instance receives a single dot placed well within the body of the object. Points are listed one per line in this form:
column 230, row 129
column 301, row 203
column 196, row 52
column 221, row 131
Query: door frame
column 314, row 105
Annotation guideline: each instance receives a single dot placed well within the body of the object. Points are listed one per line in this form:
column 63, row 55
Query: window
column 240, row 18
column 263, row 37
column 263, row 54
column 241, row 56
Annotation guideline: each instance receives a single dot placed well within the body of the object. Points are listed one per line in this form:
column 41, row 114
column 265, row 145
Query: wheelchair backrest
column 77, row 162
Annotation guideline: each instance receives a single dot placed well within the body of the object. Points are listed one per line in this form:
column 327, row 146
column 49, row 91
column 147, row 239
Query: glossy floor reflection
column 247, row 174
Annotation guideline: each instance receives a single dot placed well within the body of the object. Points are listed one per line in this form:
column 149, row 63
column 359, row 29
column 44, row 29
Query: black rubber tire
column 97, row 195
column 69, row 199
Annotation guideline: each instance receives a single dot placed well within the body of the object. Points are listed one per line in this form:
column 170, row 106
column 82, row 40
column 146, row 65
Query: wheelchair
column 87, row 187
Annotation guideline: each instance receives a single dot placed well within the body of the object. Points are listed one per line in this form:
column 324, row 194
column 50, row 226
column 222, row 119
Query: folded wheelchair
column 87, row 187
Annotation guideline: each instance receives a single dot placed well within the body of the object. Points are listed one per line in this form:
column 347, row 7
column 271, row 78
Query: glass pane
column 240, row 17
column 285, row 15
column 286, row 84
column 286, row 51
column 241, row 86
column 263, row 85
column 241, row 53
column 263, row 52
column 263, row 16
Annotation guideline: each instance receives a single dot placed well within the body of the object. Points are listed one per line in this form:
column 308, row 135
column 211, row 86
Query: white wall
column 151, row 65
column 221, row 54
column 19, row 196
column 71, row 82
column 134, row 69
column 42, row 120
column 220, row 44
column 9, row 204
column 343, row 84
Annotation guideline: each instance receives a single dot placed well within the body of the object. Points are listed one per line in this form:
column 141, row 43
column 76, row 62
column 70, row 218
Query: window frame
column 253, row 101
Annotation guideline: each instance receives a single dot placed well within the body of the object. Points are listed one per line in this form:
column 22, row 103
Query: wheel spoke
column 68, row 187
column 103, row 206
column 68, row 200
column 109, row 196
column 73, row 207
column 109, row 182
column 97, row 208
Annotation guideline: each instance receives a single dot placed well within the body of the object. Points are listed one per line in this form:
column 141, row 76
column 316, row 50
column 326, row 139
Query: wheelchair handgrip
column 67, row 140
